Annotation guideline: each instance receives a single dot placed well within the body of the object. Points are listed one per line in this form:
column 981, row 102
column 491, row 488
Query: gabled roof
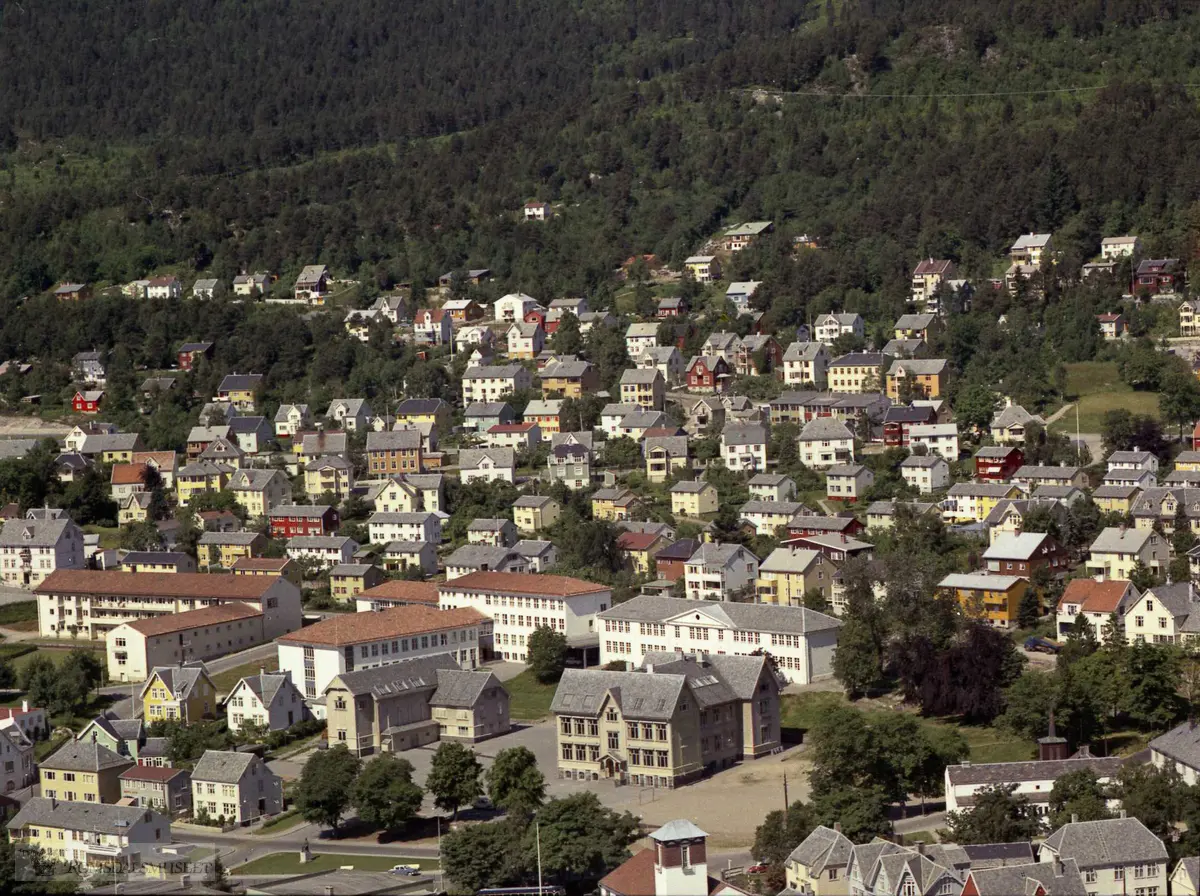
column 76, row 815
column 224, row 766
column 460, row 689
column 1110, row 842
column 1011, row 546
column 822, row 428
column 822, row 849
column 83, row 756
column 395, row 622
column 1095, row 597
column 419, row 673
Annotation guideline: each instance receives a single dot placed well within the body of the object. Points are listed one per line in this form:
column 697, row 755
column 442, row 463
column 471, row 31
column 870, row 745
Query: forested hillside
column 396, row 141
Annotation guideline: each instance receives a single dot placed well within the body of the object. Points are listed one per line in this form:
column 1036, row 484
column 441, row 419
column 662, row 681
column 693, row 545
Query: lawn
column 58, row 654
column 289, row 863
column 21, row 611
column 528, row 698
column 987, row 744
column 225, row 681
column 110, row 537
column 1096, row 387
column 284, row 822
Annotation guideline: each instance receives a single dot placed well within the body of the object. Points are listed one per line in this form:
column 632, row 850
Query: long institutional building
column 802, row 641
column 87, row 604
column 519, row 602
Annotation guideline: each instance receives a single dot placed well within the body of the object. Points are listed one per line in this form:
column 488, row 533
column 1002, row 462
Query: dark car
column 1041, row 645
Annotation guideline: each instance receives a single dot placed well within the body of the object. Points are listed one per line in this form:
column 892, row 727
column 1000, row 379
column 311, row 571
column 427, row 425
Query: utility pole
column 785, row 797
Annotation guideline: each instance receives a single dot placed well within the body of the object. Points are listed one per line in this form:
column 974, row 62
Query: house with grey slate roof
column 268, row 699
column 235, row 786
column 1115, row 855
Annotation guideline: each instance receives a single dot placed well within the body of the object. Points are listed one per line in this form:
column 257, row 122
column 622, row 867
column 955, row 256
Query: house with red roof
column 1097, row 601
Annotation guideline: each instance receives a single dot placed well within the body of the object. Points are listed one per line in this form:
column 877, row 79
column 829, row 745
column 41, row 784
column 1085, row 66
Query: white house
column 291, row 419
column 640, row 337
column 525, row 340
column 1098, row 601
column 718, row 571
column 939, row 438
column 351, row 414
column 1164, row 614
column 744, row 446
column 518, row 603
column 1114, row 855
column 235, row 786
column 772, row 487
column 801, row 641
column 324, row 550
column 31, row 549
column 847, row 482
column 486, row 464
column 387, row 527
column 830, row 326
column 1117, row 550
column 1033, row 780
column 513, row 307
column 492, row 383
column 927, row 473
column 269, row 699
column 825, row 442
column 806, row 364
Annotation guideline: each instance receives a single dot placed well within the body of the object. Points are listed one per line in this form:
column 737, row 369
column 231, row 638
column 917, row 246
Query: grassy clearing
column 227, row 680
column 57, row 654
column 289, row 863
column 109, row 537
column 285, row 822
column 528, row 698
column 21, row 611
column 987, row 743
column 1096, row 387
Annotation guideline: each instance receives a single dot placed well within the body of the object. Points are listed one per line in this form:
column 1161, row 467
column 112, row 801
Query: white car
column 410, row 870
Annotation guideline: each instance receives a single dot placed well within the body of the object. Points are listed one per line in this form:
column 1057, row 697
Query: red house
column 998, row 463
column 671, row 560
column 1156, row 276
column 672, row 306
column 898, row 420
column 290, row 520
column 536, row 316
column 708, row 373
column 806, row 526
column 191, row 352
column 87, row 402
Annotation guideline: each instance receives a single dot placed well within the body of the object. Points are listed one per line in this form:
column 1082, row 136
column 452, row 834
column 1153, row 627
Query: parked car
column 408, row 870
column 1041, row 645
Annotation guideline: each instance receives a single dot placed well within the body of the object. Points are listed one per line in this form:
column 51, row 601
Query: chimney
column 649, row 668
column 24, row 706
column 262, row 670
column 328, row 890
column 1074, row 818
column 185, row 881
column 837, row 826
column 920, row 847
column 1123, row 813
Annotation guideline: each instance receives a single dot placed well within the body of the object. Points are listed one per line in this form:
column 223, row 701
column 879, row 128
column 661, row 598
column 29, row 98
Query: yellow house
column 664, row 456
column 640, row 547
column 819, row 864
column 180, row 693
column 346, row 580
column 1188, row 462
column 926, row 378
column 134, row 509
column 424, row 410
column 614, row 504
column 534, row 512
column 996, row 599
column 693, row 499
column 284, row 567
column 90, row 834
column 224, row 549
column 703, row 268
column 1116, row 498
column 197, row 478
column 787, row 573
column 331, row 474
column 260, row 491
column 971, row 502
column 83, row 771
column 239, row 388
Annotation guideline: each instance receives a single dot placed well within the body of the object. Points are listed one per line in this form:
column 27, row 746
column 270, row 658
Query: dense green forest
column 394, row 142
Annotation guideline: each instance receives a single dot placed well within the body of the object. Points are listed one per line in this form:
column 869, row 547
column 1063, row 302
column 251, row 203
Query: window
column 614, row 740
column 566, row 726
column 1089, row 876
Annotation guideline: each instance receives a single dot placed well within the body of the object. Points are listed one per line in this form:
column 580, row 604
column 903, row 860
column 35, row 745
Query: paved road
column 262, row 653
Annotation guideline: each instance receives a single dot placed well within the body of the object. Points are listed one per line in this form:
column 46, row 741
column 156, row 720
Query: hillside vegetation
column 397, row 142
